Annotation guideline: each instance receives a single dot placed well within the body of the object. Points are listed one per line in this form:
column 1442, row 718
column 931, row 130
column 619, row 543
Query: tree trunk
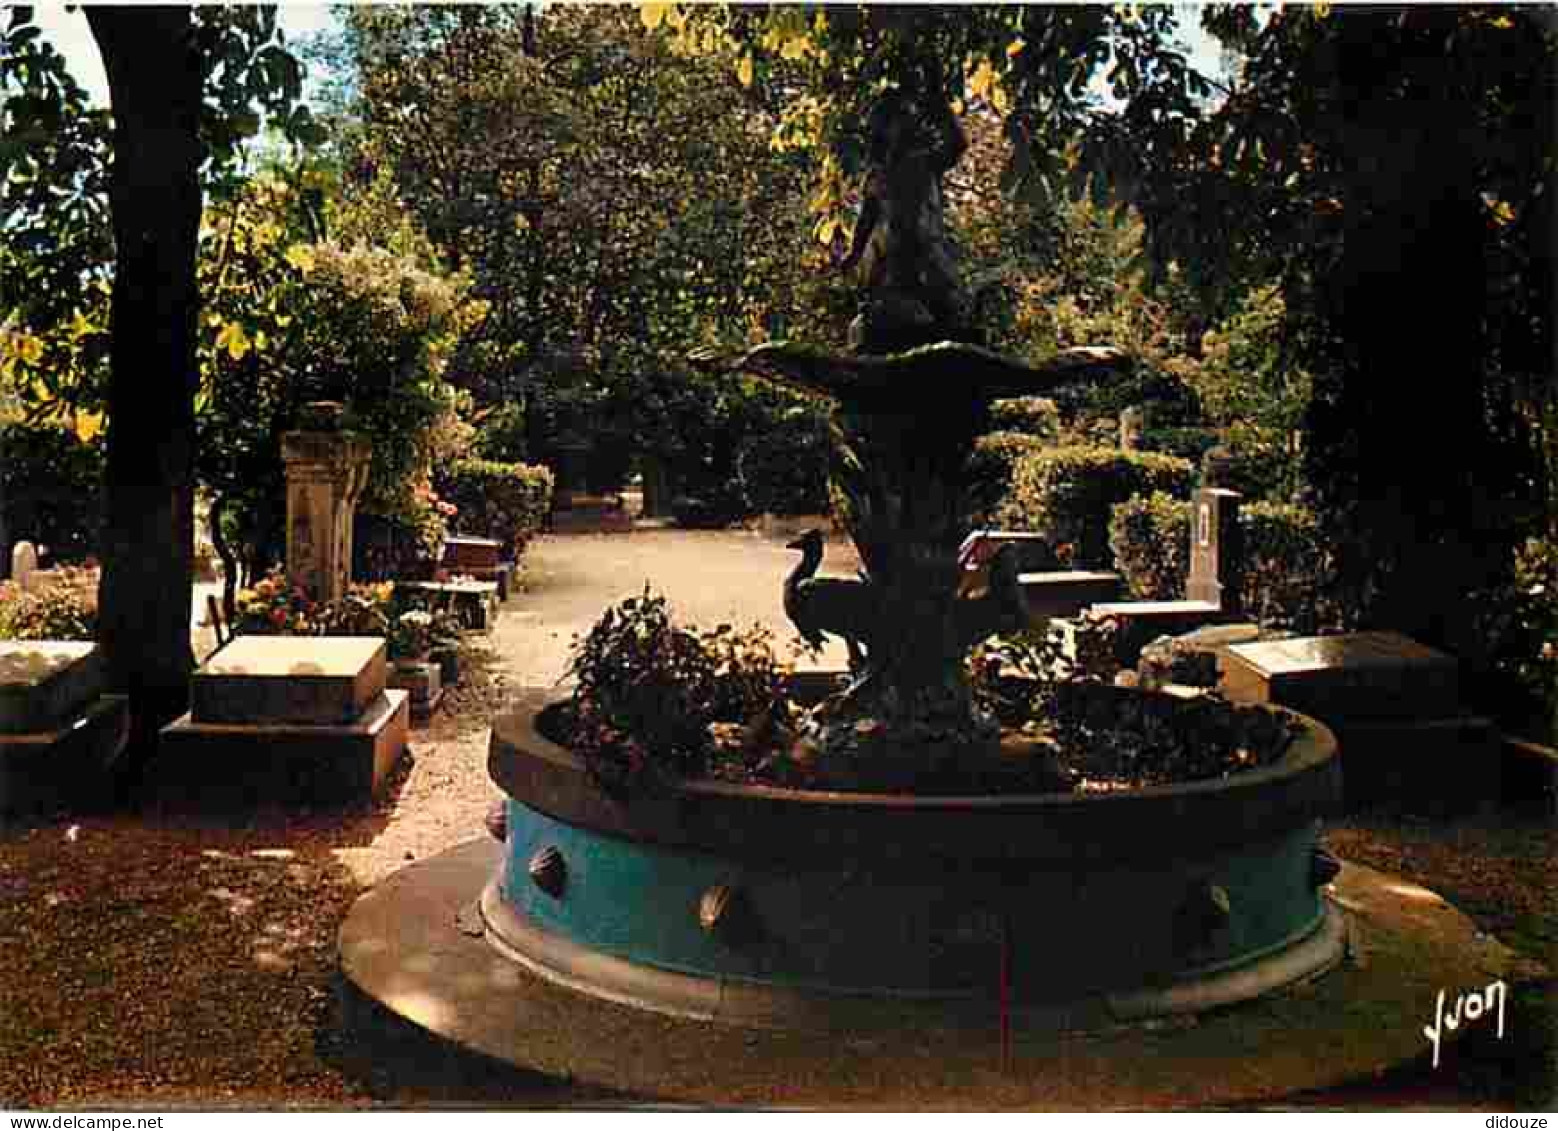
column 155, row 81
column 1413, row 483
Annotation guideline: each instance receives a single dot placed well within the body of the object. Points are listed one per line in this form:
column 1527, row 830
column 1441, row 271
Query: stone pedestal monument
column 327, row 469
column 1216, row 550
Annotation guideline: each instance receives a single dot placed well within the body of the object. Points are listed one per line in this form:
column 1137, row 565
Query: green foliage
column 506, row 501
column 1286, row 560
column 501, row 434
column 1031, row 416
column 64, row 609
column 987, row 479
column 1522, row 620
column 290, row 320
column 56, row 261
column 784, row 469
column 1150, row 538
column 1115, row 739
column 648, row 690
column 1102, row 738
column 1066, row 495
column 411, row 635
column 50, row 487
column 617, row 206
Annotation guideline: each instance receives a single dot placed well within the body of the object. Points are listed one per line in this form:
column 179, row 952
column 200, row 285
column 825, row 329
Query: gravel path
column 709, row 577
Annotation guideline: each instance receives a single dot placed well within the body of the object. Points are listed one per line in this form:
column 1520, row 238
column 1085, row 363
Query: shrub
column 1066, row 494
column 51, row 489
column 1260, row 465
column 66, row 609
column 1285, row 559
column 1286, row 566
column 506, row 501
column 648, row 690
column 987, row 477
column 1189, row 443
column 1150, row 537
column 784, row 470
column 1031, row 416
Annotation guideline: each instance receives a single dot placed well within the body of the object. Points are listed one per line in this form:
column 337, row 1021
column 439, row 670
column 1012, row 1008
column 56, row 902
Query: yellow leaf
column 88, row 425
column 653, row 15
column 675, row 17
column 234, row 340
column 981, row 80
column 29, row 348
column 80, row 325
column 300, row 256
column 1014, row 47
column 744, row 70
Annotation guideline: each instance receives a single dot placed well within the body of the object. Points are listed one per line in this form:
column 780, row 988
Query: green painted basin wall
column 932, row 927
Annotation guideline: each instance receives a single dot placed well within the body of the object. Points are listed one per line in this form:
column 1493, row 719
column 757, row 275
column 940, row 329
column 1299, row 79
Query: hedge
column 506, row 501
column 987, row 477
column 1285, row 558
column 1031, row 416
column 784, row 470
column 1066, row 494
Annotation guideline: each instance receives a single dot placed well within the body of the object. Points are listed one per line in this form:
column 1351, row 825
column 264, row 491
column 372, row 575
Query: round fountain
column 763, row 905
column 872, row 905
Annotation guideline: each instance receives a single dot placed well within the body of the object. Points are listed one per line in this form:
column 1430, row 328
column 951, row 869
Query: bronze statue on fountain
column 911, row 398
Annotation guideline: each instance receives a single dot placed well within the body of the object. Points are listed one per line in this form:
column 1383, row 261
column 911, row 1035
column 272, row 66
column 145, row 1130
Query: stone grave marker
column 297, row 720
column 1356, row 675
column 24, row 563
column 327, row 470
column 60, row 734
column 1394, row 705
column 1216, row 550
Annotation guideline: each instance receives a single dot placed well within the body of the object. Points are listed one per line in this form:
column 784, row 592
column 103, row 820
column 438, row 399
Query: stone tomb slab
column 310, row 681
column 463, row 552
column 68, row 761
column 45, row 683
column 226, row 766
column 1354, row 676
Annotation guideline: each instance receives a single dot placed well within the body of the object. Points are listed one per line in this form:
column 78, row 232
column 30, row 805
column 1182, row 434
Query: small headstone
column 1133, row 422
column 24, row 563
column 1216, row 549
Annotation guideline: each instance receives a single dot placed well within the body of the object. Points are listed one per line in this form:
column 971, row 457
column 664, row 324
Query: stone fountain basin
column 771, row 906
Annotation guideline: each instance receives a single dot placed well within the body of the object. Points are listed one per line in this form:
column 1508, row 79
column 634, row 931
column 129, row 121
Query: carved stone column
column 1216, row 549
column 327, row 469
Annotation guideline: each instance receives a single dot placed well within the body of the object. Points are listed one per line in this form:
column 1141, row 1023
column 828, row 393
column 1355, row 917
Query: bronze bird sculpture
column 819, row 606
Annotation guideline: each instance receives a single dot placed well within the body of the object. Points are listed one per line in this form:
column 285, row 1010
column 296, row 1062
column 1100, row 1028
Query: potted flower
column 444, row 644
column 411, row 637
